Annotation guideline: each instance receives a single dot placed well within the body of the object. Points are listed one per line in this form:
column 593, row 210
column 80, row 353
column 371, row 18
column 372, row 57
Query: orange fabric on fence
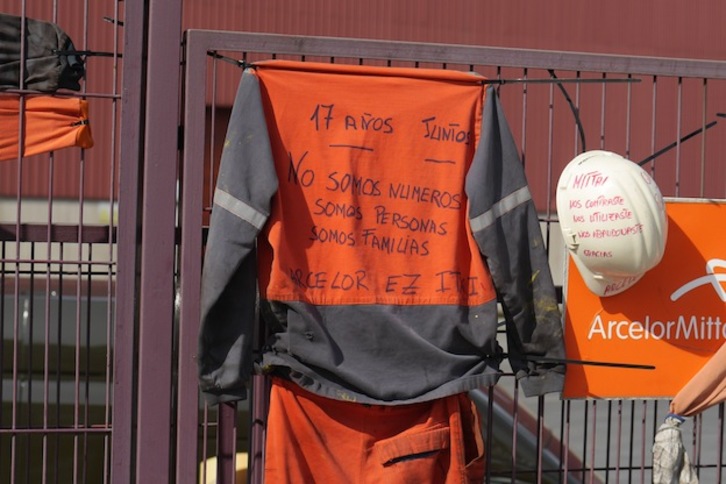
column 373, row 166
column 49, row 123
column 315, row 439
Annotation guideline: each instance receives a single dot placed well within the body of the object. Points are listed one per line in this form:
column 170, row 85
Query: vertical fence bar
column 112, row 251
column 540, row 436
column 16, row 309
column 704, row 117
column 260, row 400
column 489, row 433
column 515, row 424
column 84, row 272
column 643, row 426
column 191, row 205
column 608, row 437
column 77, row 456
column 226, row 437
column 679, row 127
column 593, row 447
column 697, row 435
column 619, row 441
column 131, row 142
column 3, row 248
column 58, row 361
column 156, row 317
column 720, row 454
column 653, row 118
column 46, row 338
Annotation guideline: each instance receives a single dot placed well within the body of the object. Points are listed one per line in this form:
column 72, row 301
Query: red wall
column 664, row 28
column 667, row 28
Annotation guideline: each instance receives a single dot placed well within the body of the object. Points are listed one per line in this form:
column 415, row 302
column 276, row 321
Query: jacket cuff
column 534, row 385
column 224, row 395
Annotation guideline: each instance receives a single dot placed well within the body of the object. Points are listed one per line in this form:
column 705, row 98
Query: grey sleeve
column 245, row 186
column 505, row 226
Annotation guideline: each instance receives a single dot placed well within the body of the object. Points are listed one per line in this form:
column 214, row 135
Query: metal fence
column 660, row 115
column 58, row 267
column 99, row 316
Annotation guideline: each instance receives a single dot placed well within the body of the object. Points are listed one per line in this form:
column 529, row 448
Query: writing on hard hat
column 612, row 218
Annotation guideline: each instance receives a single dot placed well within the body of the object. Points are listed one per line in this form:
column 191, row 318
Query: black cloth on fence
column 48, row 64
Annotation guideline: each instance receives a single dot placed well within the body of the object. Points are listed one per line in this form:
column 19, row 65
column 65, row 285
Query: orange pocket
column 411, row 447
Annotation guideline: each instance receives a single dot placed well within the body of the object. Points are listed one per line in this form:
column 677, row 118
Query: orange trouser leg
column 312, row 439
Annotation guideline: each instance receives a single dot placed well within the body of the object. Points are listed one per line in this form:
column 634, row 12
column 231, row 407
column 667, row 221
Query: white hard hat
column 612, row 218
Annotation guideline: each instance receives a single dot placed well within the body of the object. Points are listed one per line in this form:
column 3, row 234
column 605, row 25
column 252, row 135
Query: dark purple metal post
column 156, row 310
column 191, row 205
column 131, row 158
column 226, row 438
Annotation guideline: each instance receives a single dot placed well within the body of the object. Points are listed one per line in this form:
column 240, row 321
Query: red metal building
column 668, row 29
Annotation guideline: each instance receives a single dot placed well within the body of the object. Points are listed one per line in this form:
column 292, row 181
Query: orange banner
column 674, row 318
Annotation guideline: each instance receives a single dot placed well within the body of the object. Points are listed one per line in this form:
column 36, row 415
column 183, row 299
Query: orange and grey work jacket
column 373, row 217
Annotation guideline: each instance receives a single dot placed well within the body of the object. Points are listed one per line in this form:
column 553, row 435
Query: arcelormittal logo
column 710, row 278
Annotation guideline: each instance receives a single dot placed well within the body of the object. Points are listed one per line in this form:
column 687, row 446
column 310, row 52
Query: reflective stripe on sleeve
column 500, row 208
column 239, row 208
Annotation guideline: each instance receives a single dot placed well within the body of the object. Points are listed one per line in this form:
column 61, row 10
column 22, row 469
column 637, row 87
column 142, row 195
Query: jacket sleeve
column 506, row 228
column 242, row 198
